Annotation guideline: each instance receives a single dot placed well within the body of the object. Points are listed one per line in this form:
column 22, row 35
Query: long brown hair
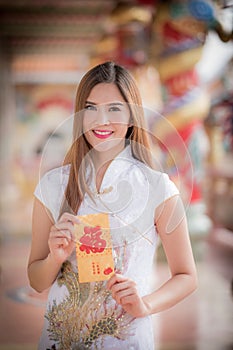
column 77, row 156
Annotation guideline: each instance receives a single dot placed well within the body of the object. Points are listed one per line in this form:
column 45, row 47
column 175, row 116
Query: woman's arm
column 50, row 247
column 172, row 228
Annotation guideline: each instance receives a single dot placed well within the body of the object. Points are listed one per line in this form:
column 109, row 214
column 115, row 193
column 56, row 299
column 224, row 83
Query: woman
column 108, row 169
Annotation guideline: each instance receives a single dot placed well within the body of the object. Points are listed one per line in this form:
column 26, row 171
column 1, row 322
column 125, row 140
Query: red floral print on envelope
column 94, row 248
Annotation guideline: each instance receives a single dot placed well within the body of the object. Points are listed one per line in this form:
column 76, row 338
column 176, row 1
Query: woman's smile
column 102, row 134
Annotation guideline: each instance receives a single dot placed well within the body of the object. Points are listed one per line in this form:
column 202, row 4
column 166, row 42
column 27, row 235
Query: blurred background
column 181, row 55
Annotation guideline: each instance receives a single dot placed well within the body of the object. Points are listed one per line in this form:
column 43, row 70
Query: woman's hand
column 124, row 291
column 61, row 238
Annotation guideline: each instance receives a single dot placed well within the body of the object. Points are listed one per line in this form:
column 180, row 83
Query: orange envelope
column 94, row 248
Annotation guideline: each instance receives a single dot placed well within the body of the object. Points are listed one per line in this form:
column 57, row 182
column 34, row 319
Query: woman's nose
column 103, row 117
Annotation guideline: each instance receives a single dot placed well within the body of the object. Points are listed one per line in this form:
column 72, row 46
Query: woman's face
column 106, row 118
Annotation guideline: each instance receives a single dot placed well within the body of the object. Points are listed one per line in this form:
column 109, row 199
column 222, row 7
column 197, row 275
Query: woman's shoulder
column 54, row 179
column 157, row 179
column 51, row 187
column 151, row 173
column 157, row 182
column 52, row 184
column 57, row 173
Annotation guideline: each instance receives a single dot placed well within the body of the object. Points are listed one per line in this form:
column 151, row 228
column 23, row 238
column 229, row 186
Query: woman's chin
column 109, row 145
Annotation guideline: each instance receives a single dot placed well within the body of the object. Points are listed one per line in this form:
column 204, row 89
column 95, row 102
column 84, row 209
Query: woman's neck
column 102, row 160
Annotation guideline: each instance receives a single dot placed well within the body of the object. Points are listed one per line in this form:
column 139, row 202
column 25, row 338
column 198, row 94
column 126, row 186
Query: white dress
column 84, row 315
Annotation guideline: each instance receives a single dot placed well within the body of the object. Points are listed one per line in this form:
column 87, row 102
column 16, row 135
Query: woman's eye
column 90, row 108
column 114, row 109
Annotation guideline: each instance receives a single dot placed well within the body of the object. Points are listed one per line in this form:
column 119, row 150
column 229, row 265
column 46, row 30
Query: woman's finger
column 65, row 225
column 69, row 217
column 116, row 278
column 117, row 287
column 62, row 227
column 62, row 234
column 119, row 296
column 60, row 241
column 123, row 289
column 129, row 299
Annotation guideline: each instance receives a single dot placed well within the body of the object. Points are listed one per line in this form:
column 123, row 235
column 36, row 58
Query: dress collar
column 122, row 162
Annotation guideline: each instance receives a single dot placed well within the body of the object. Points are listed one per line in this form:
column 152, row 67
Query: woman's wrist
column 148, row 307
column 53, row 261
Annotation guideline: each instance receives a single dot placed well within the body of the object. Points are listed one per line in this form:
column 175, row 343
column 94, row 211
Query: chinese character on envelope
column 94, row 248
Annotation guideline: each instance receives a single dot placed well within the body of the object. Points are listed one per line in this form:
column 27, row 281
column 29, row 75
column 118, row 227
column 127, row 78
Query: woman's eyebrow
column 115, row 104
column 90, row 103
column 107, row 104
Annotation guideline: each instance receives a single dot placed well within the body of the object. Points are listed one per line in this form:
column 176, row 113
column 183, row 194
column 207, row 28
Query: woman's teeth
column 103, row 133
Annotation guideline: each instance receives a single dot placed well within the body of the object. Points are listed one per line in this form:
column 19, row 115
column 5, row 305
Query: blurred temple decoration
column 218, row 184
column 179, row 33
column 128, row 33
